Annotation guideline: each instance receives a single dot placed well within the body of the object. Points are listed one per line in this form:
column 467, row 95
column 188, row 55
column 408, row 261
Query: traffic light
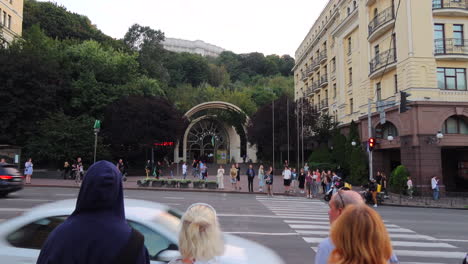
column 404, row 102
column 371, row 143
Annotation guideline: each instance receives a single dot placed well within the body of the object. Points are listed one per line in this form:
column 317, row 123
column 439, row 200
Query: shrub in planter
column 184, row 183
column 200, row 184
column 158, row 182
column 398, row 179
column 211, row 184
column 172, row 183
column 143, row 183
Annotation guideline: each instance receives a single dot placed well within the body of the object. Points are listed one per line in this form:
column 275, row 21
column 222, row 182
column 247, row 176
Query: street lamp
column 97, row 128
column 353, row 143
column 439, row 135
column 390, row 138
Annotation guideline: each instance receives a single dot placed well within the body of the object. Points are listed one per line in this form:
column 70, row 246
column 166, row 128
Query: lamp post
column 97, row 128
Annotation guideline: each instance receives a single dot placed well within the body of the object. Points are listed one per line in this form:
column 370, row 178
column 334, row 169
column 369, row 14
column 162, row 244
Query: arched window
column 455, row 125
column 385, row 130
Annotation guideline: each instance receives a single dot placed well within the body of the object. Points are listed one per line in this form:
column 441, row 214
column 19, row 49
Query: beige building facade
column 374, row 49
column 11, row 20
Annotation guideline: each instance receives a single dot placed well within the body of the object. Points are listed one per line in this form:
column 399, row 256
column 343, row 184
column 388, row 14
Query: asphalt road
column 293, row 226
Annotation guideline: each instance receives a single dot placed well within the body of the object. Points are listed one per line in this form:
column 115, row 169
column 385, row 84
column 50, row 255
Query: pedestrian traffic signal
column 371, row 143
column 404, row 102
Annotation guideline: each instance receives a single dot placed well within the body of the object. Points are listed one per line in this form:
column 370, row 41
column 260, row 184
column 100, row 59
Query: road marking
column 28, row 200
column 175, row 198
column 295, row 211
column 452, row 240
column 313, row 239
column 305, row 222
column 262, row 234
column 13, row 209
column 400, row 230
column 271, row 216
column 66, row 194
column 308, row 232
column 412, row 236
column 325, row 226
column 303, row 215
column 421, row 263
column 289, row 202
column 430, row 254
column 315, row 249
column 421, row 244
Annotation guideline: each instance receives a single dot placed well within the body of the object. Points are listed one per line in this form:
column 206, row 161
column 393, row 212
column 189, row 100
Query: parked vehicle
column 21, row 238
column 11, row 179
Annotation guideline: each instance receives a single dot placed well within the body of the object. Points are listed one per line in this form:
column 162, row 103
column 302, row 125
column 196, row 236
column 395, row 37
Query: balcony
column 303, row 76
column 451, row 49
column 384, row 61
column 315, row 64
column 324, row 104
column 323, row 80
column 308, row 90
column 323, row 56
column 309, row 70
column 381, row 23
column 316, row 86
column 450, row 7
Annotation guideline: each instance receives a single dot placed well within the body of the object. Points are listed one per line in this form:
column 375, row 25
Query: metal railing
column 324, row 104
column 303, row 76
column 381, row 18
column 315, row 63
column 322, row 56
column 310, row 70
column 451, row 46
column 323, row 79
column 450, row 4
column 383, row 59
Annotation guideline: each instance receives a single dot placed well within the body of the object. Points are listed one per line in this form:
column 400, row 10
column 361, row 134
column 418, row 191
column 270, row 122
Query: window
column 451, row 79
column 385, row 130
column 376, row 12
column 350, row 81
column 376, row 50
column 154, row 242
column 395, row 81
column 4, row 20
column 333, row 65
column 34, row 235
column 378, row 89
column 351, row 106
column 455, row 125
column 348, row 10
column 1, row 18
column 349, row 45
column 9, row 22
column 325, row 69
column 458, row 35
column 354, row 4
column 439, row 35
column 334, row 90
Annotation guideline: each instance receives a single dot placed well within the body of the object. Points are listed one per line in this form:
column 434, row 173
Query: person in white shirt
column 435, row 187
column 286, row 179
column 184, row 170
column 409, row 183
column 220, row 177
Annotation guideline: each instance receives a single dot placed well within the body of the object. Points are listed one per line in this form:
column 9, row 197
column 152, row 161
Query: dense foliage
column 65, row 73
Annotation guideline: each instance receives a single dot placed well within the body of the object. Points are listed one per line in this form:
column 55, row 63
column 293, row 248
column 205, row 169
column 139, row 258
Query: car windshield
column 11, row 170
column 170, row 219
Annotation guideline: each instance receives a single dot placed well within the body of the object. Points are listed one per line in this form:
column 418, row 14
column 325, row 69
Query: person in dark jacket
column 250, row 177
column 97, row 231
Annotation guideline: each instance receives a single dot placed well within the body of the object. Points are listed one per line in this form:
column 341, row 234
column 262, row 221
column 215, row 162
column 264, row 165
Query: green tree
column 399, row 178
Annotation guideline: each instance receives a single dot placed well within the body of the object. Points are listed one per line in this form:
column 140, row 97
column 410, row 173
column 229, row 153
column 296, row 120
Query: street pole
column 287, row 120
column 369, row 127
column 97, row 127
column 273, row 148
column 298, row 137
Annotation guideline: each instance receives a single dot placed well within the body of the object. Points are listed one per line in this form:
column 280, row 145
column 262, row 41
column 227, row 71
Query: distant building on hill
column 196, row 46
column 11, row 20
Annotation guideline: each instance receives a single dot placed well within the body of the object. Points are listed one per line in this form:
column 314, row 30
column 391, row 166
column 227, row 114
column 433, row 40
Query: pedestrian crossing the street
column 309, row 219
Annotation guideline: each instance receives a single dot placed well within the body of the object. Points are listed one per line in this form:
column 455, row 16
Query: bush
column 398, row 179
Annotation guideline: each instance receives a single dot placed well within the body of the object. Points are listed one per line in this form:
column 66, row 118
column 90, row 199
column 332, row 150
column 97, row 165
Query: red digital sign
column 164, row 144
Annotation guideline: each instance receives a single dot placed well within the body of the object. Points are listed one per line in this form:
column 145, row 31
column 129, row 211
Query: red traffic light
column 371, row 143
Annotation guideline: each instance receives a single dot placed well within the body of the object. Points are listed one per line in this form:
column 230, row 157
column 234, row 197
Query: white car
column 22, row 237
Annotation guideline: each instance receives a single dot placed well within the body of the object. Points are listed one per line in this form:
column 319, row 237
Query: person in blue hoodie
column 97, row 231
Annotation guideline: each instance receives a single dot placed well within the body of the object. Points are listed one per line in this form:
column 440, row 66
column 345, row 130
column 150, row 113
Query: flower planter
column 157, row 183
column 143, row 183
column 171, row 184
column 211, row 185
column 184, row 184
column 199, row 185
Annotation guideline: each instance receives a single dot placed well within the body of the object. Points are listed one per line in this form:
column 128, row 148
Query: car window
column 10, row 170
column 34, row 234
column 154, row 241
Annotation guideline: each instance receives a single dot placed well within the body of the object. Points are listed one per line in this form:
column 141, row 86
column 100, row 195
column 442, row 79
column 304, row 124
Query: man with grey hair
column 338, row 202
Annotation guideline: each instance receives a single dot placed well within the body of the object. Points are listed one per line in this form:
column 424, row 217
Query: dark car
column 11, row 179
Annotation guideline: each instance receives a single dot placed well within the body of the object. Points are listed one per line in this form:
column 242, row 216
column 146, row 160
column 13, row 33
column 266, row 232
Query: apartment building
column 196, row 47
column 374, row 49
column 11, row 20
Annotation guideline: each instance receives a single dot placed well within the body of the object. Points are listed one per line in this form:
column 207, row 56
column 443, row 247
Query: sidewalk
column 278, row 189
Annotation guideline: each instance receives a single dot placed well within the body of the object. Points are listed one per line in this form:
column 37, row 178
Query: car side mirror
column 168, row 255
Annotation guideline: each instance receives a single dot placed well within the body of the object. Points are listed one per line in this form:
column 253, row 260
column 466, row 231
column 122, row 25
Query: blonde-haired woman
column 360, row 237
column 200, row 238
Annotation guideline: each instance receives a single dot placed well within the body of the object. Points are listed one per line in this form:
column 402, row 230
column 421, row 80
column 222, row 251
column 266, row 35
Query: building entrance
column 208, row 140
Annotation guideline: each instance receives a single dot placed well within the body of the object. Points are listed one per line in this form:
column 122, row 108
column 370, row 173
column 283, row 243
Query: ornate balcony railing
column 450, row 4
column 383, row 59
column 324, row 104
column 315, row 64
column 303, row 76
column 315, row 86
column 323, row 80
column 322, row 56
column 451, row 46
column 381, row 18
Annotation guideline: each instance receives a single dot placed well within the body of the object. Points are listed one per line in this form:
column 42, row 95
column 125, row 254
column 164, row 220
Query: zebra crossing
column 309, row 219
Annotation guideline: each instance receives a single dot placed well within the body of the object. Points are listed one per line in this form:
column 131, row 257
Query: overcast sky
column 242, row 26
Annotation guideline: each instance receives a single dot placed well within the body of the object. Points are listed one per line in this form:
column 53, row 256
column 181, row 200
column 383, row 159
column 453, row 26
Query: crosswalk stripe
column 305, row 222
column 399, row 230
column 421, row 244
column 13, row 209
column 411, row 236
column 315, row 240
column 325, row 226
column 421, row 263
column 304, row 216
column 295, row 211
column 309, row 232
column 430, row 254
